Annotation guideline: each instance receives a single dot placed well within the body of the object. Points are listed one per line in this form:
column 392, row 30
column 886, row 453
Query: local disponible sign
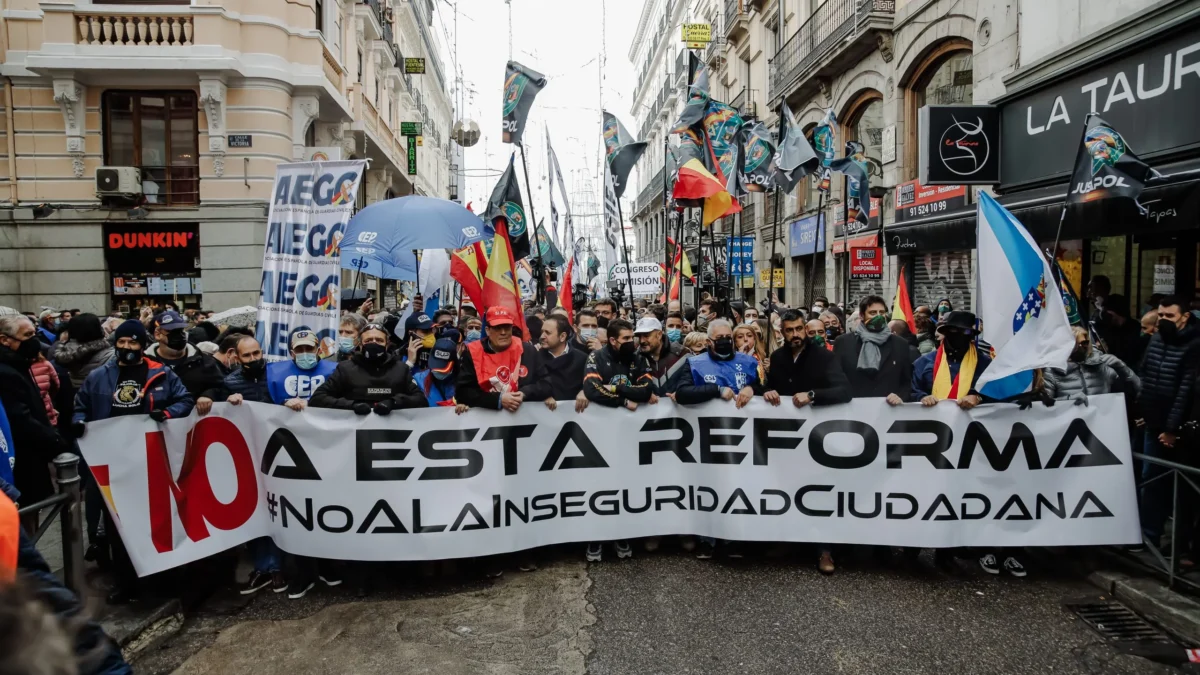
column 959, row 144
column 429, row 485
column 866, row 262
column 647, row 279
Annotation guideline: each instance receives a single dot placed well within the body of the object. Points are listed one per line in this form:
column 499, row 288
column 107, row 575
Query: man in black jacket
column 200, row 373
column 877, row 363
column 811, row 376
column 662, row 356
column 371, row 380
column 617, row 377
column 1169, row 371
column 562, row 361
column 35, row 440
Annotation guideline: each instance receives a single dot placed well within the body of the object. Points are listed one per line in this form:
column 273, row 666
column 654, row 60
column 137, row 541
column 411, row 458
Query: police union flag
column 1019, row 303
column 1106, row 166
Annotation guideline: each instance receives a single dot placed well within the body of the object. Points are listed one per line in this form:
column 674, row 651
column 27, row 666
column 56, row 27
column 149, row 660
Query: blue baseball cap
column 169, row 320
column 443, row 356
column 418, row 322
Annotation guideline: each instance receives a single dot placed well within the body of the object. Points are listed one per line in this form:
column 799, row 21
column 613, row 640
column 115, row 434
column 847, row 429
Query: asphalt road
column 666, row 613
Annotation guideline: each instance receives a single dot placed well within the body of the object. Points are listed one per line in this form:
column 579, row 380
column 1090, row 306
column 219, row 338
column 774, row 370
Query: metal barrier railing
column 1153, row 559
column 67, row 507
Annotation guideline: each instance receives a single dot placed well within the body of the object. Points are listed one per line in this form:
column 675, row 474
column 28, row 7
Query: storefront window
column 1156, row 273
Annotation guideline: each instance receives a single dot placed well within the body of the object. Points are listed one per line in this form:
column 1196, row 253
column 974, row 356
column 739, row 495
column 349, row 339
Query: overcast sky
column 562, row 40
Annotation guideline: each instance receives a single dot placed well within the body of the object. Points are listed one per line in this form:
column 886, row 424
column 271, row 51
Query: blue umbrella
column 382, row 239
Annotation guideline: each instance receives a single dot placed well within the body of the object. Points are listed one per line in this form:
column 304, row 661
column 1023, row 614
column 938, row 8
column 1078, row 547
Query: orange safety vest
column 10, row 539
column 497, row 368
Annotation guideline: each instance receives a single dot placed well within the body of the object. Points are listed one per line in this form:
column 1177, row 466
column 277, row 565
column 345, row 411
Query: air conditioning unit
column 119, row 181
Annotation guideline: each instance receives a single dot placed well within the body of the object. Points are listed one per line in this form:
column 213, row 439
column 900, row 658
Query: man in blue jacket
column 130, row 384
column 7, row 459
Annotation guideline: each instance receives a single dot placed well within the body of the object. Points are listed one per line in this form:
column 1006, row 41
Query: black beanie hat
column 132, row 329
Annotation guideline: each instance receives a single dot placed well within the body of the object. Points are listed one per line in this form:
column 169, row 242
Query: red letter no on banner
column 193, row 494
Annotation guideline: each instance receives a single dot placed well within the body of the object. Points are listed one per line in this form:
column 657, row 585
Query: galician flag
column 1021, row 309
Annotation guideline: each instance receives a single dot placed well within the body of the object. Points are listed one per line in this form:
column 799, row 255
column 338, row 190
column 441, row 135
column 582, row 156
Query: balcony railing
column 681, row 67
column 135, row 30
column 333, row 72
column 736, row 18
column 739, row 102
column 652, row 193
column 376, row 7
column 824, row 32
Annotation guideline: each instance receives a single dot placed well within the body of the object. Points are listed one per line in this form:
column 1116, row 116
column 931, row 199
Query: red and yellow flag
column 500, row 279
column 696, row 182
column 902, row 305
column 566, row 298
column 468, row 266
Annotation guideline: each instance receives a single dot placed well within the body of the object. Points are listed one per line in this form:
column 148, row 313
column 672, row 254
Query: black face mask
column 255, row 368
column 602, row 321
column 626, row 352
column 176, row 340
column 374, row 353
column 1167, row 328
column 832, row 333
column 723, row 347
column 29, row 349
column 1079, row 355
column 956, row 343
column 129, row 357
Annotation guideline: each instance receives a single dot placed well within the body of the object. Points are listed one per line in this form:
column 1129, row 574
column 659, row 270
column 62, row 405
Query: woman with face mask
column 1088, row 373
column 746, row 341
column 943, row 310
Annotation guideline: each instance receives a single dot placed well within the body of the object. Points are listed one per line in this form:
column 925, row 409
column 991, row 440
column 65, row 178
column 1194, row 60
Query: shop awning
column 839, row 245
column 1172, row 204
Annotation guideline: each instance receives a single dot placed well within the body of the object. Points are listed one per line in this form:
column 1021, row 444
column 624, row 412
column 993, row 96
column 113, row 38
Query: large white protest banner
column 311, row 203
column 426, row 484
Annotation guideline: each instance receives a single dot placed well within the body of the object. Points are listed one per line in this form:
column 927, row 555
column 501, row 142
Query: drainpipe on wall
column 12, row 141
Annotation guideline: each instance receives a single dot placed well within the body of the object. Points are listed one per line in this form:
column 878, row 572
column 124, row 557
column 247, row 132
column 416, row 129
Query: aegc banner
column 427, row 484
column 311, row 203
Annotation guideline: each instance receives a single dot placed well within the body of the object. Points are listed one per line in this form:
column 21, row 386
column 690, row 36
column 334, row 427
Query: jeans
column 1158, row 497
column 266, row 556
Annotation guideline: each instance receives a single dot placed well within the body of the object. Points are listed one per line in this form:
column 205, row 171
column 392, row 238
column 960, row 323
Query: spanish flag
column 468, row 266
column 500, row 279
column 902, row 305
column 696, row 183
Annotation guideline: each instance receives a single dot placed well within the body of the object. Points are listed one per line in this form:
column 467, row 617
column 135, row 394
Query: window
column 360, row 66
column 319, row 7
column 868, row 129
column 943, row 77
column 310, row 136
column 156, row 131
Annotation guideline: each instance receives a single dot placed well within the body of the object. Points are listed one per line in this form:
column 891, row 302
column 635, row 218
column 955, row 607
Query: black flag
column 795, row 158
column 858, row 193
column 1106, row 166
column 506, row 203
column 621, row 151
column 547, row 249
column 521, row 85
column 757, row 173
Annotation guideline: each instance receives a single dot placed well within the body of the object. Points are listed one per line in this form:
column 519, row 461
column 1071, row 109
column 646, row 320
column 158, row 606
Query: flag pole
column 846, row 242
column 809, row 292
column 541, row 283
column 774, row 239
column 625, row 250
column 1062, row 217
column 666, row 226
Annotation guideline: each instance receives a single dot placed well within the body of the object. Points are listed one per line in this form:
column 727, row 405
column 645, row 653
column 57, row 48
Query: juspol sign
column 426, row 484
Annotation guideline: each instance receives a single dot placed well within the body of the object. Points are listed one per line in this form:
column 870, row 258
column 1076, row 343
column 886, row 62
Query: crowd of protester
column 60, row 370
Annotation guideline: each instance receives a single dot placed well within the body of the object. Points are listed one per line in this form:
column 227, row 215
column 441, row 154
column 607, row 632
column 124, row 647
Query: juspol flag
column 506, row 203
column 521, row 86
column 620, row 150
column 1106, row 166
column 427, row 484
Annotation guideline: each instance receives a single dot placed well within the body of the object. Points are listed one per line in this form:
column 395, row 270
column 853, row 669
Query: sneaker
column 988, row 563
column 733, row 550
column 278, row 583
column 704, row 550
column 1014, row 567
column 687, row 543
column 652, row 544
column 330, row 579
column 624, row 550
column 527, row 564
column 825, row 563
column 595, row 552
column 257, row 582
column 296, row 591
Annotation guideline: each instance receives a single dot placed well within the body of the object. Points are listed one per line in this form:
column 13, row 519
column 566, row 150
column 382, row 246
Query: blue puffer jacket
column 163, row 391
column 441, row 392
column 253, row 390
column 92, row 646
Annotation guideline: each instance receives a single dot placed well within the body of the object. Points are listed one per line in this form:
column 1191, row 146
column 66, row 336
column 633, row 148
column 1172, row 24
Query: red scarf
column 498, row 371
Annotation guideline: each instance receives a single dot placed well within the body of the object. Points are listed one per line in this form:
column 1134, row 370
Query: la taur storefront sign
column 1149, row 93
